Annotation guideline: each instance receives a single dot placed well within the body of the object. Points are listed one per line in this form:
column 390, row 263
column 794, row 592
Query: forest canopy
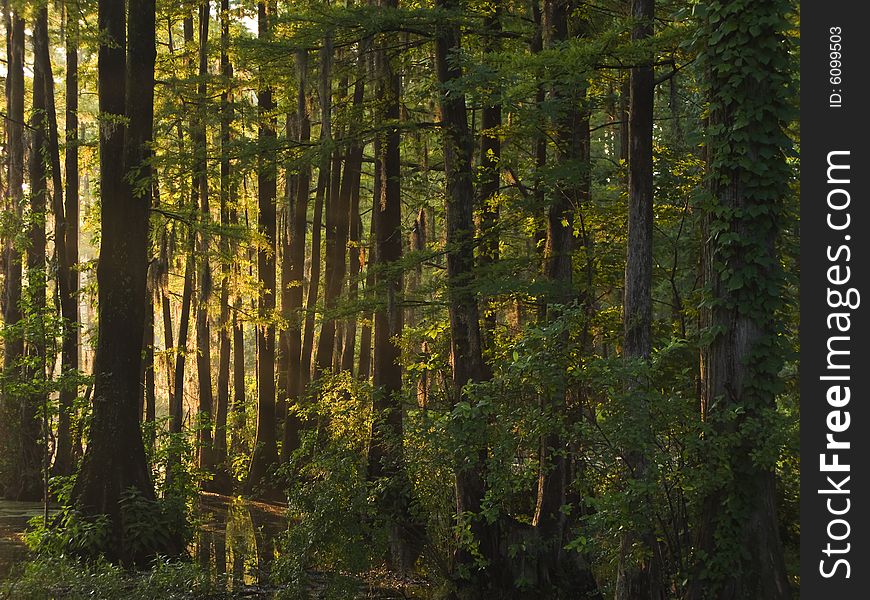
column 494, row 299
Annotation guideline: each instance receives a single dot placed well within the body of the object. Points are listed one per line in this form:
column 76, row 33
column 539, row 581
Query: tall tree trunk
column 465, row 339
column 571, row 141
column 296, row 275
column 225, row 349
column 203, row 331
column 115, row 457
column 70, row 350
column 741, row 358
column 351, row 187
column 14, row 344
column 68, row 307
column 34, row 401
column 639, row 577
column 386, row 456
column 265, row 455
column 321, row 197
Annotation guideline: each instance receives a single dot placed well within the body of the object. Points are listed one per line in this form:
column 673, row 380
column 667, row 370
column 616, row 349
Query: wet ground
column 236, row 543
column 13, row 523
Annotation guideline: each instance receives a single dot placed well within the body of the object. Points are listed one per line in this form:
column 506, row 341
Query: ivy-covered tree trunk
column 265, row 455
column 639, row 572
column 739, row 550
column 114, row 461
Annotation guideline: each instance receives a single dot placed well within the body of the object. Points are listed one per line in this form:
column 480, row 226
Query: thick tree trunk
column 639, row 572
column 115, row 457
column 741, row 359
column 265, row 455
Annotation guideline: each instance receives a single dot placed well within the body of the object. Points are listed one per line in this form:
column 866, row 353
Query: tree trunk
column 465, row 339
column 13, row 350
column 68, row 307
column 740, row 357
column 115, row 457
column 296, row 276
column 490, row 155
column 321, row 196
column 639, row 577
column 203, row 331
column 225, row 349
column 265, row 455
column 386, row 456
column 34, row 401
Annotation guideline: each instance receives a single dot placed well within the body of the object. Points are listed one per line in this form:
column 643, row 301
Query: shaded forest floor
column 234, row 548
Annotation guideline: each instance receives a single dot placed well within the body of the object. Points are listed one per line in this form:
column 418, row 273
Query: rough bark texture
column 639, row 572
column 115, row 457
column 738, row 533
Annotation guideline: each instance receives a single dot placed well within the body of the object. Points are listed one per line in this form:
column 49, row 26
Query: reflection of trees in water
column 236, row 540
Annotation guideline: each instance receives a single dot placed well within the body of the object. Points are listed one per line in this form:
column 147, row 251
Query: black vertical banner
column 835, row 269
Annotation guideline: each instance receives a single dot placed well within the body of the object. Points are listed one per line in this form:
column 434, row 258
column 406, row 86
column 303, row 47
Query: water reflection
column 13, row 523
column 236, row 540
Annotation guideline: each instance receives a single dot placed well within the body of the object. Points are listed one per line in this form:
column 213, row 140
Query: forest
column 467, row 299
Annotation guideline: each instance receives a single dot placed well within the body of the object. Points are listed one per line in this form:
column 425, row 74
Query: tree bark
column 465, row 339
column 740, row 357
column 115, row 457
column 225, row 348
column 68, row 307
column 321, row 197
column 639, row 572
column 386, row 456
column 296, row 276
column 12, row 258
column 265, row 455
column 203, row 331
